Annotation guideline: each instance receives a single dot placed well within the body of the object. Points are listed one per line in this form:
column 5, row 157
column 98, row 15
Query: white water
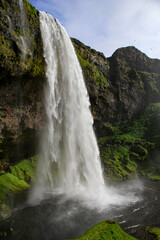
column 23, row 39
column 68, row 143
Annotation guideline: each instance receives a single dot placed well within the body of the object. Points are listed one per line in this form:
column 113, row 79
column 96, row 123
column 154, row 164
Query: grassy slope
column 108, row 230
column 128, row 147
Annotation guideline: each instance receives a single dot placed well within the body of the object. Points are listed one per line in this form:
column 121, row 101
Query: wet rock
column 5, row 211
column 22, row 78
column 148, row 233
column 107, row 230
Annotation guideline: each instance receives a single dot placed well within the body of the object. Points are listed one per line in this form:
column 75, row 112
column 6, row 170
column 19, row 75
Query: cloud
column 109, row 24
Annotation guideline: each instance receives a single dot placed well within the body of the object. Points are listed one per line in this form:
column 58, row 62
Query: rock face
column 124, row 91
column 119, row 87
column 21, row 79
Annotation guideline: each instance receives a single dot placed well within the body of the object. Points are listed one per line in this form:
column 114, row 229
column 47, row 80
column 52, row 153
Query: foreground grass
column 106, row 230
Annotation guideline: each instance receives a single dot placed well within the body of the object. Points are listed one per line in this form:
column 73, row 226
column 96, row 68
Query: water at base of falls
column 69, row 163
column 60, row 219
column 69, row 147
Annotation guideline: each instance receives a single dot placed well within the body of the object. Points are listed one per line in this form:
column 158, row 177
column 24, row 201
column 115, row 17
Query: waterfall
column 68, row 143
column 69, row 163
column 23, row 39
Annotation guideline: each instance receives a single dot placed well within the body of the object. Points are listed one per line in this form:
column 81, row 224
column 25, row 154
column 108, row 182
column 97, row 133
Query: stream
column 59, row 218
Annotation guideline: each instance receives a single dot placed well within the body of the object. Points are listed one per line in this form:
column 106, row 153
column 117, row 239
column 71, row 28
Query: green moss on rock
column 32, row 12
column 155, row 231
column 108, row 230
column 126, row 150
column 5, row 211
column 148, row 233
column 10, row 183
column 151, row 80
column 91, row 72
column 25, row 170
column 18, row 179
column 15, row 58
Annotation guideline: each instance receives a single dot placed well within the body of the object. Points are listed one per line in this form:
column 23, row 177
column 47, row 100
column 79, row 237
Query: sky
column 107, row 25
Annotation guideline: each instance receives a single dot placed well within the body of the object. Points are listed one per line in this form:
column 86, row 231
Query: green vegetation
column 12, row 58
column 90, row 71
column 106, row 230
column 150, row 79
column 17, row 178
column 11, row 184
column 150, row 233
column 126, row 150
column 24, row 170
column 155, row 231
column 38, row 67
column 6, row 53
column 32, row 12
column 5, row 211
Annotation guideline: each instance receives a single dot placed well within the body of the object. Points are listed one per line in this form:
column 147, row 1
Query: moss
column 12, row 59
column 155, row 231
column 32, row 12
column 91, row 72
column 151, row 79
column 6, row 52
column 18, row 179
column 149, row 233
column 125, row 151
column 116, row 162
column 38, row 67
column 154, row 178
column 25, row 170
column 12, row 183
column 5, row 211
column 2, row 172
column 108, row 230
column 18, row 32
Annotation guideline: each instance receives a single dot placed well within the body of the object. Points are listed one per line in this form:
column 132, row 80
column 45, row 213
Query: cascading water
column 70, row 162
column 23, row 39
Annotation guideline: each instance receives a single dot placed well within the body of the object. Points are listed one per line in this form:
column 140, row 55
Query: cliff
column 21, row 80
column 120, row 86
column 121, row 89
column 124, row 91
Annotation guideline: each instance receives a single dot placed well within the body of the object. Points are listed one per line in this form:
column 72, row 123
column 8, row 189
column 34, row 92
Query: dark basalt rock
column 137, row 60
column 5, row 211
column 21, row 80
column 133, row 81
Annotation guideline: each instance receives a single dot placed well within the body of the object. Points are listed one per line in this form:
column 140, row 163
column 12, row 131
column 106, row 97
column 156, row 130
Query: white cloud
column 109, row 24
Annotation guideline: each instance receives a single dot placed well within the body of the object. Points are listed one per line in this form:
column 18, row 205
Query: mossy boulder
column 148, row 233
column 5, row 211
column 25, row 170
column 108, row 230
column 18, row 178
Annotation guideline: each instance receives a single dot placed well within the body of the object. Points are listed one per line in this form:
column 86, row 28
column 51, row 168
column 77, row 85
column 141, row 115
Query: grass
column 106, row 230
